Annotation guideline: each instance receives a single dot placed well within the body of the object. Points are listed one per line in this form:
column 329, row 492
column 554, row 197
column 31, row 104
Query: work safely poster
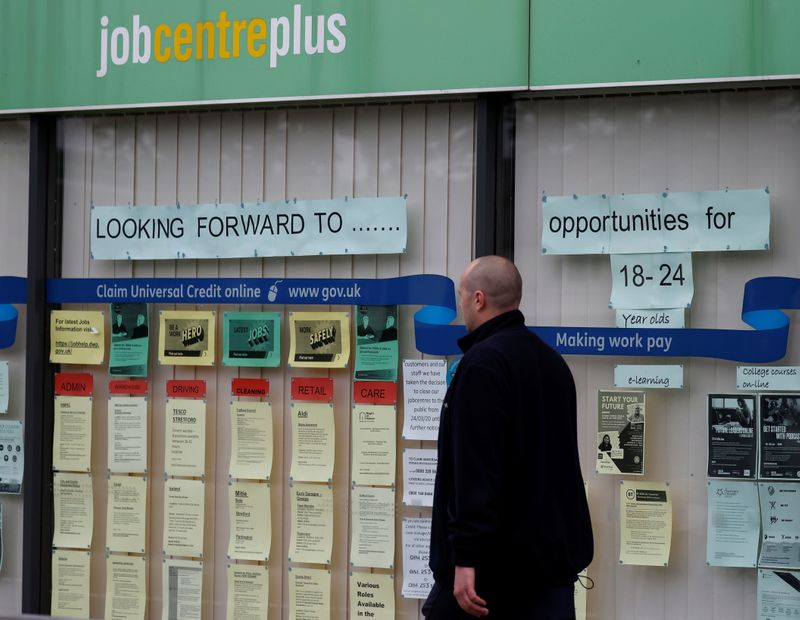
column 130, row 329
column 319, row 339
column 186, row 338
column 251, row 339
column 780, row 436
column 731, row 436
column 376, row 343
column 620, row 432
column 77, row 337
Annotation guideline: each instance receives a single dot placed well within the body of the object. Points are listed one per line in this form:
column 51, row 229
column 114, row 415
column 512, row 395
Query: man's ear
column 480, row 299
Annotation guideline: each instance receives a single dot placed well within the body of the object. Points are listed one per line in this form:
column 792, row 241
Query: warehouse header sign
column 149, row 53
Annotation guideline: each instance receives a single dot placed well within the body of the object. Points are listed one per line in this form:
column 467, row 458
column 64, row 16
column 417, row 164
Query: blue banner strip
column 761, row 309
column 13, row 290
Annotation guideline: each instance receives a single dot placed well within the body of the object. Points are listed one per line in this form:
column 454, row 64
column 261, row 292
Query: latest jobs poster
column 70, row 590
column 186, row 337
column 780, row 524
column 312, row 523
column 185, row 441
column 77, row 337
column 72, row 433
column 734, row 523
column 645, row 523
column 130, row 329
column 181, row 590
column 780, row 436
column 620, row 432
column 778, row 595
column 126, row 588
column 251, row 440
column 251, row 339
column 319, row 339
column 250, row 521
column 127, row 434
column 12, row 456
column 731, row 436
column 376, row 343
column 248, row 592
column 313, row 442
column 374, row 444
column 126, row 514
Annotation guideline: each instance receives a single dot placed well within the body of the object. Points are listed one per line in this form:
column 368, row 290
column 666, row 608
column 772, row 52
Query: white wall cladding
column 423, row 150
column 13, row 262
column 647, row 143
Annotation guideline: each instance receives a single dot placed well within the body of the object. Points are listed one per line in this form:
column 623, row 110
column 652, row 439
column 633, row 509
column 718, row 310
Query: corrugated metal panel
column 425, row 151
column 646, row 144
column 13, row 262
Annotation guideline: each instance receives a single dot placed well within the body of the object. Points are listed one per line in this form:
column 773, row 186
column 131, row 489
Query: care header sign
column 301, row 228
column 715, row 221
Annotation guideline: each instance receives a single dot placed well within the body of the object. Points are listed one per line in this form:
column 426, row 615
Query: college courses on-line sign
column 285, row 228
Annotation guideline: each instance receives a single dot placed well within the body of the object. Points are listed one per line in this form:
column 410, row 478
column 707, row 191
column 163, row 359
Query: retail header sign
column 77, row 54
column 618, row 42
column 286, row 228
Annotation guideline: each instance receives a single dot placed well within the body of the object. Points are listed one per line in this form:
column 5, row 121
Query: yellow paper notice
column 251, row 440
column 127, row 434
column 312, row 523
column 248, row 591
column 73, row 511
column 645, row 523
column 126, row 589
column 181, row 590
column 72, row 433
column 77, row 337
column 371, row 596
column 312, row 442
column 185, row 442
column 309, row 594
column 125, row 516
column 250, row 521
column 69, row 597
column 186, row 338
column 372, row 524
column 374, row 429
column 184, row 517
column 319, row 339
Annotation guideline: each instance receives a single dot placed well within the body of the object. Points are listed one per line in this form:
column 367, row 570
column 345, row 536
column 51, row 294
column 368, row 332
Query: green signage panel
column 124, row 53
column 621, row 41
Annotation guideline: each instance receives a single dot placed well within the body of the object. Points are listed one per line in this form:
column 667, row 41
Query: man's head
column 119, row 319
column 139, row 319
column 389, row 321
column 489, row 286
column 364, row 320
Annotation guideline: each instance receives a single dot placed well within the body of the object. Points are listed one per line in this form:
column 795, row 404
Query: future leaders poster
column 731, row 436
column 620, row 432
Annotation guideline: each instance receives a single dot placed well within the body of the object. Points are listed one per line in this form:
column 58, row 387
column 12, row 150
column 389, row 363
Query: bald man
column 511, row 527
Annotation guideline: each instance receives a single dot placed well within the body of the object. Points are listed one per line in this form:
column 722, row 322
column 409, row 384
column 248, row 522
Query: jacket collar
column 503, row 321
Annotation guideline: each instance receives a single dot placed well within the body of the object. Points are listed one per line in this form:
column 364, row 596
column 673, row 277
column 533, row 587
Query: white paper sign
column 12, row 456
column 127, row 434
column 4, row 387
column 301, row 228
column 652, row 319
column 778, row 595
column 768, row 378
column 642, row 281
column 780, row 524
column 424, row 387
column 734, row 523
column 660, row 376
column 419, row 476
column 417, row 575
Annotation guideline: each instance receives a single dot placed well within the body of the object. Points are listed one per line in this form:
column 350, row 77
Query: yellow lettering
column 208, row 28
column 183, row 37
column 223, row 24
column 161, row 54
column 238, row 26
column 257, row 31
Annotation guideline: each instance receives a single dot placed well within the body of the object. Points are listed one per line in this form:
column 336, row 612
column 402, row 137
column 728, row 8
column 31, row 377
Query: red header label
column 128, row 386
column 312, row 388
column 186, row 388
column 250, row 387
column 74, row 384
column 375, row 392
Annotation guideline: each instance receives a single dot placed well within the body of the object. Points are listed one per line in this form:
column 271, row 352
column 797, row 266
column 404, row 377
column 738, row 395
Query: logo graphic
column 630, row 494
column 273, row 291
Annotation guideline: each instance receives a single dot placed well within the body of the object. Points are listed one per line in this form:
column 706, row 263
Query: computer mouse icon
column 273, row 291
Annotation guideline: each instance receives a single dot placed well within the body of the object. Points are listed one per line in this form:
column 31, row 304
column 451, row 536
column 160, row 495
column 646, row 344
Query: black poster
column 780, row 436
column 732, row 422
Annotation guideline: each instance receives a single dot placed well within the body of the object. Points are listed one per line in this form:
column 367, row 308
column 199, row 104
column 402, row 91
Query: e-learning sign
column 76, row 54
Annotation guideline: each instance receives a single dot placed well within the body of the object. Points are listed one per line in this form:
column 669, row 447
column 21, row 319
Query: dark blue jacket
column 509, row 490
